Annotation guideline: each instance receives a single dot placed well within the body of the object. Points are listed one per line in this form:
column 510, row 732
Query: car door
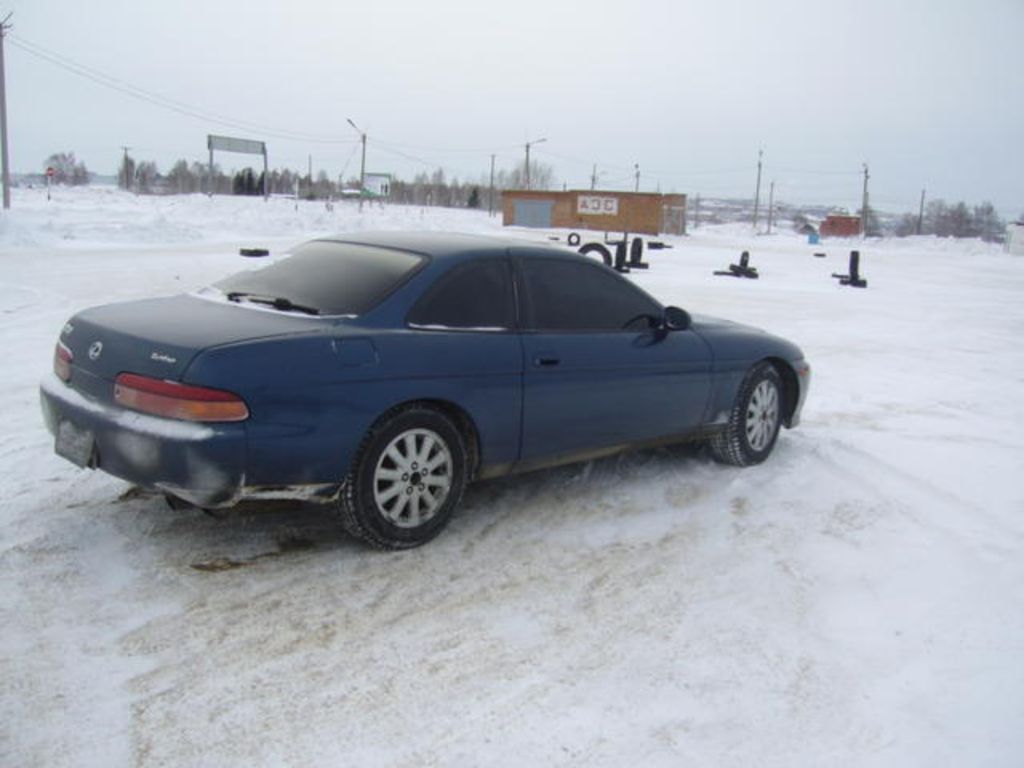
column 592, row 378
column 463, row 347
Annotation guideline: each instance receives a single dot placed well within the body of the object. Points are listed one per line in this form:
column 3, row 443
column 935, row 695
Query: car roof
column 440, row 245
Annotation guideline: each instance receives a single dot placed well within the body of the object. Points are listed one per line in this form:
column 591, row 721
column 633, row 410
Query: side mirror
column 676, row 319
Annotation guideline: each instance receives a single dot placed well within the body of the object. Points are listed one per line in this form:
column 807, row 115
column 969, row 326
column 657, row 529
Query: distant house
column 840, row 225
column 1015, row 238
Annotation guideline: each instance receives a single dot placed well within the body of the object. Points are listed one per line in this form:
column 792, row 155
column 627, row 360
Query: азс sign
column 596, row 205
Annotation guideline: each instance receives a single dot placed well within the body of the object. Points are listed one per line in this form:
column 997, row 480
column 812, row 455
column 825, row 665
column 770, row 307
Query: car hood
column 160, row 337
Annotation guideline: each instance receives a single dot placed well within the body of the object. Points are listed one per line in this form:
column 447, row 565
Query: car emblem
column 95, row 350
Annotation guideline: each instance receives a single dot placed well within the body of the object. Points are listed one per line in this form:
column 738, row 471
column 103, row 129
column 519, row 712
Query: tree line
column 939, row 218
column 954, row 220
column 433, row 188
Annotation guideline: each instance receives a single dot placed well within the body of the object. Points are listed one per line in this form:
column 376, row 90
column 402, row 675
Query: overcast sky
column 929, row 94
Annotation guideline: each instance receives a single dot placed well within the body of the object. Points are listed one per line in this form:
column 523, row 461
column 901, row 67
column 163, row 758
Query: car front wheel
column 754, row 421
column 408, row 478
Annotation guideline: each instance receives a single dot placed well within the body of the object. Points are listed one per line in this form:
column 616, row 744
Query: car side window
column 570, row 296
column 472, row 296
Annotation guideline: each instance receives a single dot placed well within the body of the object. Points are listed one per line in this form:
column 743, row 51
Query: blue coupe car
column 383, row 372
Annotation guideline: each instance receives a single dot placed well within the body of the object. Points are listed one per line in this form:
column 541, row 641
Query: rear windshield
column 332, row 278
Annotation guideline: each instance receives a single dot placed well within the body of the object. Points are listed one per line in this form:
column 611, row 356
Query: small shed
column 840, row 225
column 639, row 212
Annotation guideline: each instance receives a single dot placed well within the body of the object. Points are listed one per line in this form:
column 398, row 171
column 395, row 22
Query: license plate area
column 75, row 444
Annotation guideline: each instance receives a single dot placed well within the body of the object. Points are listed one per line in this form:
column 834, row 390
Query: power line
column 156, row 99
column 452, row 150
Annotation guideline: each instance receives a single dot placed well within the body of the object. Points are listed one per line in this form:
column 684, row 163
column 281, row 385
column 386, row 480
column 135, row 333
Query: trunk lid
column 160, row 337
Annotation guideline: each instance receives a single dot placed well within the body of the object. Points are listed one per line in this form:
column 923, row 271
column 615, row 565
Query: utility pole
column 5, row 170
column 636, row 167
column 757, row 191
column 864, row 204
column 771, row 205
column 490, row 195
column 920, row 214
column 535, row 141
column 124, row 169
column 362, row 163
column 593, row 178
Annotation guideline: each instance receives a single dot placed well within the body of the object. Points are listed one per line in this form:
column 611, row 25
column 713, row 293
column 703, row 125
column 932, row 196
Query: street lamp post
column 528, row 144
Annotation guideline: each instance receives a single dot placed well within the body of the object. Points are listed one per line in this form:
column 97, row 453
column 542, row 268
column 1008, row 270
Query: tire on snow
column 754, row 421
column 406, row 481
column 600, row 250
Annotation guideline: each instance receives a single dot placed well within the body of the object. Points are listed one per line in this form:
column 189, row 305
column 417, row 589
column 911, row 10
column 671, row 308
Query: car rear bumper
column 203, row 464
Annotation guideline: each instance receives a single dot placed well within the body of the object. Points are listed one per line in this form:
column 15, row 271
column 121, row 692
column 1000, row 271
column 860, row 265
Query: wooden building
column 840, row 225
column 633, row 212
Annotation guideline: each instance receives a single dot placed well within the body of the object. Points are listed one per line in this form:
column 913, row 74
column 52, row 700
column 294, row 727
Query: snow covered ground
column 858, row 600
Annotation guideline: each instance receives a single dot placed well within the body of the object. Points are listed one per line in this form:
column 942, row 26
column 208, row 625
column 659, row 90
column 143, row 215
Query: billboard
column 230, row 144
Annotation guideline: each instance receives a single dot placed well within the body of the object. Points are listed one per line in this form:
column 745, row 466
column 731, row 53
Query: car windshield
column 325, row 277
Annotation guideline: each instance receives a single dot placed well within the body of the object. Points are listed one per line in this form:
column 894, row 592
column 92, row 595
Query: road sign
column 50, row 171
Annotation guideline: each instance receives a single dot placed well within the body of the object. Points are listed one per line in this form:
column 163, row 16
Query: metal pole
column 757, row 191
column 490, row 194
column 536, row 141
column 636, row 166
column 362, row 174
column 920, row 214
column 771, row 205
column 362, row 164
column 5, row 170
column 266, row 174
column 864, row 204
column 593, row 178
column 210, row 191
column 527, row 165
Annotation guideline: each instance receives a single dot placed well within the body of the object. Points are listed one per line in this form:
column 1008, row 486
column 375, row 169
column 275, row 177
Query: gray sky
column 930, row 94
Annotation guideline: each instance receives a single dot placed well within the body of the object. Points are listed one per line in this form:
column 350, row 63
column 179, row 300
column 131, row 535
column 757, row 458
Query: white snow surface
column 857, row 600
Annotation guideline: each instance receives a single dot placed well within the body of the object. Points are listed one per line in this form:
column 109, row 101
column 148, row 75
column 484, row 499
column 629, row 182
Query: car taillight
column 178, row 401
column 62, row 359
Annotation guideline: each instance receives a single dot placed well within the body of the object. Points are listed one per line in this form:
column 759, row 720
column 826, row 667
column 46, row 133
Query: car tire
column 407, row 479
column 754, row 421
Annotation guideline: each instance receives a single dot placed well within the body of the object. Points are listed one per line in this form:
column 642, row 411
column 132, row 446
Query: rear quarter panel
column 313, row 398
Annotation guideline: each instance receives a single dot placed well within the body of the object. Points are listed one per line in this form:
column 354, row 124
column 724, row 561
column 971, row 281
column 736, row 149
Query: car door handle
column 546, row 360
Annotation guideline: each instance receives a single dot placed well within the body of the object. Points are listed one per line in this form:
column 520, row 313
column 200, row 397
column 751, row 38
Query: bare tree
column 66, row 169
column 146, row 176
